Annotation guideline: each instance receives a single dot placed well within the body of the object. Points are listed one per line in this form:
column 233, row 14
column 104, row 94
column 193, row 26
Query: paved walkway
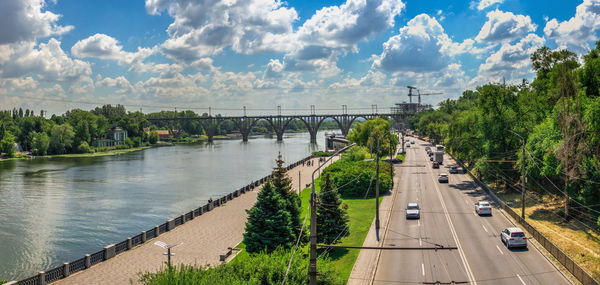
column 204, row 239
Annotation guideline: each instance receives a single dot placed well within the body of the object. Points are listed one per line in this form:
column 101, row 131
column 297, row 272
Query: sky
column 155, row 55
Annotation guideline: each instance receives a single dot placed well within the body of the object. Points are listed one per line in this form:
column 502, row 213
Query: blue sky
column 56, row 55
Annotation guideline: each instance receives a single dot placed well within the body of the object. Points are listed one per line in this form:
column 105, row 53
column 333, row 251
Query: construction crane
column 418, row 95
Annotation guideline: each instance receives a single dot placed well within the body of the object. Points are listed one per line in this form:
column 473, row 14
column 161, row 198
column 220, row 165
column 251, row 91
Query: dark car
column 453, row 170
column 435, row 165
column 393, row 160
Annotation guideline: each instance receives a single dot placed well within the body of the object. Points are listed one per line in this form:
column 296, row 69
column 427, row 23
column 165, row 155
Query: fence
column 584, row 277
column 68, row 268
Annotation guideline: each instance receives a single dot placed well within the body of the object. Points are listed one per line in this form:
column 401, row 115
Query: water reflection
column 56, row 210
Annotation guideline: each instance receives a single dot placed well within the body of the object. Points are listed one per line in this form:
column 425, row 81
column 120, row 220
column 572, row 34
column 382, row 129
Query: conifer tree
column 268, row 225
column 283, row 185
column 332, row 220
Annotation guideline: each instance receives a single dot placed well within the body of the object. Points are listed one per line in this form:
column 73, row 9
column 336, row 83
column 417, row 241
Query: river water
column 54, row 210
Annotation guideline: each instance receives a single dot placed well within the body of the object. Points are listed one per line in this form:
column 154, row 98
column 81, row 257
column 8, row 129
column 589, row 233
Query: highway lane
column 448, row 218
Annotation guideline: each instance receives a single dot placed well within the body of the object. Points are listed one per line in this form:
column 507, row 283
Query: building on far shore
column 112, row 137
column 162, row 134
column 334, row 142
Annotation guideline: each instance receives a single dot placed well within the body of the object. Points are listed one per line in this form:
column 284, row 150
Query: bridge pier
column 210, row 126
column 312, row 122
column 245, row 125
column 279, row 123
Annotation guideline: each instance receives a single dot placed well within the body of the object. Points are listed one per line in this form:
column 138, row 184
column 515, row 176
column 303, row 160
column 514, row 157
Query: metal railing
column 108, row 252
column 582, row 276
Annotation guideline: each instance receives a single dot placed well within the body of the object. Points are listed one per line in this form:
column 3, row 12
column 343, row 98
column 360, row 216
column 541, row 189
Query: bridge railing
column 110, row 251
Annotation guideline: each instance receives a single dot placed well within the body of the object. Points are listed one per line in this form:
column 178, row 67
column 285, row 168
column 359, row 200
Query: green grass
column 361, row 213
column 401, row 156
column 102, row 153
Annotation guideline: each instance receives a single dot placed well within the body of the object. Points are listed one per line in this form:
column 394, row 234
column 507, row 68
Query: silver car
column 483, row 208
column 513, row 237
column 443, row 178
column 413, row 211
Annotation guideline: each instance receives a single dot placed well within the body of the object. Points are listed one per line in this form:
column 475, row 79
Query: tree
column 332, row 220
column 41, row 142
column 154, row 137
column 269, row 225
column 283, row 185
column 7, row 144
column 373, row 133
column 61, row 138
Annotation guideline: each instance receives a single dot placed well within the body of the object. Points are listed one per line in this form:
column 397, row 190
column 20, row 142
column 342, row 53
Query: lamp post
column 522, row 174
column 312, row 267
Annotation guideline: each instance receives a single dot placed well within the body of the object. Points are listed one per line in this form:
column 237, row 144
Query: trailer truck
column 438, row 156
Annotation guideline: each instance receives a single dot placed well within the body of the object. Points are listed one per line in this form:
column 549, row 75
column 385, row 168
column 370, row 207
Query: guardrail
column 110, row 251
column 583, row 276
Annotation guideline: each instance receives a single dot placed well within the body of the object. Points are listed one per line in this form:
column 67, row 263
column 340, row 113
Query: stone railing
column 110, row 251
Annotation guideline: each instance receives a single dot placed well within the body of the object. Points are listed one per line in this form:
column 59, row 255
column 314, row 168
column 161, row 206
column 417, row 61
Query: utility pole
column 312, row 266
column 522, row 174
column 299, row 182
column 377, row 191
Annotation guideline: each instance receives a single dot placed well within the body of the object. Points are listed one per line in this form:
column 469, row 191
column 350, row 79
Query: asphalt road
column 448, row 218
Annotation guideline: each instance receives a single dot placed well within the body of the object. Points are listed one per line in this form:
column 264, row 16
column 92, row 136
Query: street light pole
column 522, row 175
column 312, row 267
column 377, row 191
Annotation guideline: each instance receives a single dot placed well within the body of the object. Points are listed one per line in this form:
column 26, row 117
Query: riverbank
column 80, row 155
column 204, row 239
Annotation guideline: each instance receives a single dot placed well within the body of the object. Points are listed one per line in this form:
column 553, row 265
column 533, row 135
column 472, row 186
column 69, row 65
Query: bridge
column 313, row 121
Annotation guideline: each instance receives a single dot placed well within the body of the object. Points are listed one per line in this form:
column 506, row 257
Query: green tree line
column 558, row 117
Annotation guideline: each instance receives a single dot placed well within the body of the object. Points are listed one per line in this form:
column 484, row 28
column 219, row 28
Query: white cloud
column 24, row 21
column 576, row 33
column 483, row 4
column 420, row 46
column 504, row 26
column 121, row 83
column 48, row 61
column 207, row 27
column 510, row 62
column 106, row 47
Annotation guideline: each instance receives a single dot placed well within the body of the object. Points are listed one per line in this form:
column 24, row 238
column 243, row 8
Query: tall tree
column 283, row 185
column 332, row 219
column 269, row 225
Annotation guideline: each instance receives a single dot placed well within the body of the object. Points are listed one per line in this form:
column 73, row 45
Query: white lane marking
column 485, row 229
column 474, row 214
column 423, row 270
column 499, row 250
column 521, row 279
column 467, row 202
column 420, row 242
column 419, row 223
column 463, row 256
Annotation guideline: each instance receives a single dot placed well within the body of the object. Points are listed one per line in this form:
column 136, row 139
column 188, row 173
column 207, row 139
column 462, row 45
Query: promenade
column 204, row 239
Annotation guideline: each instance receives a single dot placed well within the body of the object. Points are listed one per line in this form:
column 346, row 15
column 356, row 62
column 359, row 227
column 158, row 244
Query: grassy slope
column 580, row 243
column 361, row 213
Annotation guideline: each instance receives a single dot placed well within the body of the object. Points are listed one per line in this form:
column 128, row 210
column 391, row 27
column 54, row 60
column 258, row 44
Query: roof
column 413, row 204
column 514, row 229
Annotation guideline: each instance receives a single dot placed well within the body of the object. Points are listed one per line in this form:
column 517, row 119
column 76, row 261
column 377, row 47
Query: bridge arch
column 279, row 123
column 313, row 123
column 245, row 124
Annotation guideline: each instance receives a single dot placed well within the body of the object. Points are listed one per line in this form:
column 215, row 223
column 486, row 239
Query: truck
column 438, row 157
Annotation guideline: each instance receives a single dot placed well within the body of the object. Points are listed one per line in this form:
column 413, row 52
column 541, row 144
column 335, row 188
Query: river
column 55, row 210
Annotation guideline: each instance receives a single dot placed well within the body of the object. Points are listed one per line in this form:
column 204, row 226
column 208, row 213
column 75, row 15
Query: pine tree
column 332, row 220
column 268, row 225
column 283, row 185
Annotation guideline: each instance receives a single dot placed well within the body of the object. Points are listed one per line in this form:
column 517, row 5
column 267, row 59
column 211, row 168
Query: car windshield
column 484, row 204
column 517, row 235
column 412, row 207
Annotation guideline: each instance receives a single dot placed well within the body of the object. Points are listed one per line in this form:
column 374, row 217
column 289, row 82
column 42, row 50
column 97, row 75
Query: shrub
column 321, row 154
column 84, row 147
column 257, row 269
column 356, row 153
column 153, row 137
column 355, row 179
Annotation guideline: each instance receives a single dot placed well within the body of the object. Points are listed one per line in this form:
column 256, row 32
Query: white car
column 413, row 211
column 483, row 208
column 513, row 237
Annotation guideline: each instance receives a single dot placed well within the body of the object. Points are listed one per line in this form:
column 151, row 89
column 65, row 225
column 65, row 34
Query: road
column 448, row 218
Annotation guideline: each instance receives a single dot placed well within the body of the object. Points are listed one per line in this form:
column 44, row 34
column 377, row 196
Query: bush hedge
column 352, row 178
column 252, row 269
